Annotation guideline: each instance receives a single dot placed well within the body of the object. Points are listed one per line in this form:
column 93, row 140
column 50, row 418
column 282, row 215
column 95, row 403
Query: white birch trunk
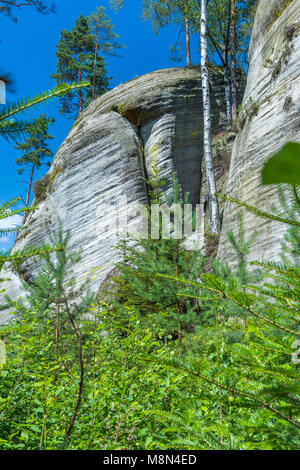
column 210, row 174
column 187, row 42
column 227, row 97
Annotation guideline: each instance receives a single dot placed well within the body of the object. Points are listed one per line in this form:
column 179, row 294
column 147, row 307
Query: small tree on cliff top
column 106, row 40
column 165, row 12
column 76, row 62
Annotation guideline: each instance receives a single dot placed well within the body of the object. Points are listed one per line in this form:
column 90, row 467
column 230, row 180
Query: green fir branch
column 259, row 212
column 26, row 103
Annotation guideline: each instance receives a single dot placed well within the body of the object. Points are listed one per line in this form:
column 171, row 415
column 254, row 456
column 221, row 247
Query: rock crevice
column 272, row 98
column 105, row 162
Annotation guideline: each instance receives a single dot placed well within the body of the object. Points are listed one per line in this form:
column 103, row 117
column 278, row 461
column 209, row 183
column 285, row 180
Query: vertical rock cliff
column 270, row 117
column 105, row 161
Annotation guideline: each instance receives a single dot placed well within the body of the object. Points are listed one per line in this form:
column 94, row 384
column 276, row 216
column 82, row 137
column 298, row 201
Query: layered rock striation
column 269, row 117
column 105, row 161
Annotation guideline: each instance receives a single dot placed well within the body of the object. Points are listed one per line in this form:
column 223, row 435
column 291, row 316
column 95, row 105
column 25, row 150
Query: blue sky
column 27, row 51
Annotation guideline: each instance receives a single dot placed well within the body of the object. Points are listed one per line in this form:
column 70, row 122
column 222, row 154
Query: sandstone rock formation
column 270, row 117
column 107, row 156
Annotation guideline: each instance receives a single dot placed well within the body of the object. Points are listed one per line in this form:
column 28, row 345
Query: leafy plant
column 284, row 166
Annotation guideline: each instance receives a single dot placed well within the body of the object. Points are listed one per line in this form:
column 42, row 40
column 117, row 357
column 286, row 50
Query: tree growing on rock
column 229, row 25
column 35, row 152
column 165, row 12
column 78, row 59
column 237, row 18
column 106, row 40
column 218, row 30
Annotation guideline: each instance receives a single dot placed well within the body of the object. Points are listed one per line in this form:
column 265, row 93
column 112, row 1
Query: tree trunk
column 56, row 339
column 29, row 192
column 223, row 55
column 227, row 97
column 80, row 357
column 95, row 66
column 210, row 175
column 187, row 42
column 179, row 329
column 233, row 60
column 79, row 93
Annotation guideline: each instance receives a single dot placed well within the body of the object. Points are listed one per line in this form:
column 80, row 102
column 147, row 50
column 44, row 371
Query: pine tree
column 106, row 40
column 256, row 381
column 157, row 301
column 8, row 210
column 245, row 13
column 53, row 293
column 242, row 248
column 12, row 129
column 35, row 150
column 50, row 288
column 76, row 52
column 289, row 199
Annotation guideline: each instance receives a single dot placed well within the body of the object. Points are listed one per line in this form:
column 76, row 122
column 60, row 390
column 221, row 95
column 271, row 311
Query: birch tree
column 210, row 175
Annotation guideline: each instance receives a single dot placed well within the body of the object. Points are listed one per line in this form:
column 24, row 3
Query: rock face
column 104, row 161
column 269, row 118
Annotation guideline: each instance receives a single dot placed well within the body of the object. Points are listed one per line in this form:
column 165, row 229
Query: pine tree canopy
column 76, row 54
column 102, row 29
column 35, row 148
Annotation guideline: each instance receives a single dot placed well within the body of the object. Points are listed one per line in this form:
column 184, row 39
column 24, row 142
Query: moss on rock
column 44, row 185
